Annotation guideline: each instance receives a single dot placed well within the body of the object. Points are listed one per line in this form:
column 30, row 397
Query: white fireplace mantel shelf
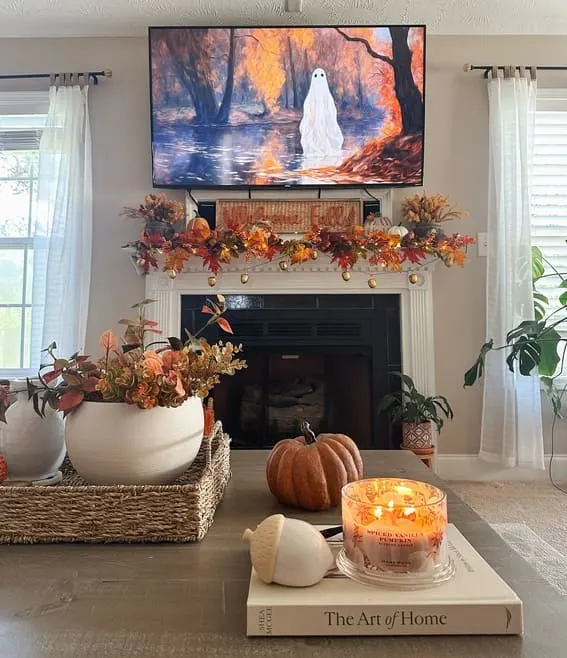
column 320, row 277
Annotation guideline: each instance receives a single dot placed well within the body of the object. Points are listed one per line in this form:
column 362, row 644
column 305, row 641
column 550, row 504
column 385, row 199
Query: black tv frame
column 250, row 188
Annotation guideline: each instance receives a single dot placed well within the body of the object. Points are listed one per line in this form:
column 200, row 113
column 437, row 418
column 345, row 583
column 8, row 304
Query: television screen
column 287, row 106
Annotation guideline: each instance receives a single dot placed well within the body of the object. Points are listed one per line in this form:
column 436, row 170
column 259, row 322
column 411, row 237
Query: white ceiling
column 50, row 18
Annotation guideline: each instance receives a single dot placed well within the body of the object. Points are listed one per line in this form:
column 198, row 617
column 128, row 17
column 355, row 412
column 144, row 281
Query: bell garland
column 387, row 250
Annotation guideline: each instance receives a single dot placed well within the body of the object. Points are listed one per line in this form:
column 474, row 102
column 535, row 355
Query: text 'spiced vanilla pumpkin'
column 309, row 472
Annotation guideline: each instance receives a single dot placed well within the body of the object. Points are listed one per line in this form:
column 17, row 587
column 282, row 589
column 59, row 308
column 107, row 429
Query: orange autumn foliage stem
column 163, row 373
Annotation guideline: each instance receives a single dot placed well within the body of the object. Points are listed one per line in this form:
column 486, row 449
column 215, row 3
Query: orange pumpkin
column 309, row 471
column 199, row 228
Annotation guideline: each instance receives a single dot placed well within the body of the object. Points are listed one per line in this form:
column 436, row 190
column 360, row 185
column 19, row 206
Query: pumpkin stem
column 307, row 432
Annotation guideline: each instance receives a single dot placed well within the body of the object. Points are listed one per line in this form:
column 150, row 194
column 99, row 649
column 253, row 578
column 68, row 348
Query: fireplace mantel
column 416, row 300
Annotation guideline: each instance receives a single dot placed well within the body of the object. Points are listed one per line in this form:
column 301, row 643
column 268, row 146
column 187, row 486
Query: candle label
column 395, row 525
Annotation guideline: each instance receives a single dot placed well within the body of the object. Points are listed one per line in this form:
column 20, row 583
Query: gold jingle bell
column 212, row 281
column 244, row 278
column 314, row 254
column 171, row 274
column 413, row 278
column 346, row 276
column 372, row 283
column 141, row 261
column 283, row 265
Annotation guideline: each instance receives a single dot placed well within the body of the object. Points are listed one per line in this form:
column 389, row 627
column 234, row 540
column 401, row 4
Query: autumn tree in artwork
column 407, row 92
column 261, row 64
column 251, row 84
column 192, row 54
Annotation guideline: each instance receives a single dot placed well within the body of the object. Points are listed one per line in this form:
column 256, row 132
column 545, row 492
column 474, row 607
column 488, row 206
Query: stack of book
column 476, row 601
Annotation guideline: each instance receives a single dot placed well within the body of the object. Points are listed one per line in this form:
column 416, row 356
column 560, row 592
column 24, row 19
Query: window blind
column 19, row 140
column 549, row 192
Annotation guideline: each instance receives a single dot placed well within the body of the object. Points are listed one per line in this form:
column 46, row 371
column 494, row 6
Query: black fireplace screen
column 327, row 359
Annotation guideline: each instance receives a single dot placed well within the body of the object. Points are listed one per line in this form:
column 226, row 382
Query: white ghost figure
column 320, row 132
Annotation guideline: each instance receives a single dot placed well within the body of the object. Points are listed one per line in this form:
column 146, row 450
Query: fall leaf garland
column 261, row 244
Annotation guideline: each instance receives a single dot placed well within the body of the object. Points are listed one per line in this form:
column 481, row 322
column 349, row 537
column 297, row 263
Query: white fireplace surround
column 416, row 300
column 416, row 303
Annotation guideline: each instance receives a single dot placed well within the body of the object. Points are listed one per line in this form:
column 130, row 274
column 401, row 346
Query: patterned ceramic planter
column 416, row 436
column 423, row 229
column 163, row 229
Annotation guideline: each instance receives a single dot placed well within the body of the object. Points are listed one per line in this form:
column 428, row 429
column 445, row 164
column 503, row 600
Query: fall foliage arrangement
column 157, row 208
column 257, row 244
column 135, row 371
column 433, row 209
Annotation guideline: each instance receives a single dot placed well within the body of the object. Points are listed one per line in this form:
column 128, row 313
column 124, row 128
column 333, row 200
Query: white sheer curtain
column 63, row 232
column 511, row 433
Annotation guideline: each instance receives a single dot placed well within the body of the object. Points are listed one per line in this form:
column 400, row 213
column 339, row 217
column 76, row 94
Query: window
column 21, row 119
column 549, row 191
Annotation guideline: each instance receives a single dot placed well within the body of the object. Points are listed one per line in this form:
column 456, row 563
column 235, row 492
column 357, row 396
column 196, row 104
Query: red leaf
column 70, row 400
column 224, row 325
column 150, row 323
column 82, row 359
column 89, row 386
column 50, row 376
column 207, row 309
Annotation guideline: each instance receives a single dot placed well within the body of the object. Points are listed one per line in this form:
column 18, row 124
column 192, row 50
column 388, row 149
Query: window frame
column 550, row 100
column 31, row 104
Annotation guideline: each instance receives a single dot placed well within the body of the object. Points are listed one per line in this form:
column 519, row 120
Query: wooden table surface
column 172, row 601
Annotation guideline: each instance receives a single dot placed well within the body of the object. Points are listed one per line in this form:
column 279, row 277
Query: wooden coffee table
column 185, row 600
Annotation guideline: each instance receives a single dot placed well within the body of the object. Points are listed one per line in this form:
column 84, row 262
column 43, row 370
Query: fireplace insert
column 324, row 358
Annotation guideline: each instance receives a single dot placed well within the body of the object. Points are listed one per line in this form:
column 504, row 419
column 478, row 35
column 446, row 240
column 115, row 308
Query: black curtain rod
column 95, row 75
column 488, row 68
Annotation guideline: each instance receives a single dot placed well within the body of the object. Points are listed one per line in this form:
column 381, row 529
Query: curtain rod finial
column 107, row 73
column 467, row 68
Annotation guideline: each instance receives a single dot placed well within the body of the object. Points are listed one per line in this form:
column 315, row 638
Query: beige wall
column 455, row 164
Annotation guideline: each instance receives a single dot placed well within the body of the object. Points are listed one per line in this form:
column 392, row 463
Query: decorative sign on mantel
column 293, row 215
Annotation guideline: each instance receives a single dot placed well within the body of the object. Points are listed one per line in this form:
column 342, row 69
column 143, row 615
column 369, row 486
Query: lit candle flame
column 378, row 512
column 403, row 490
column 408, row 511
column 390, row 504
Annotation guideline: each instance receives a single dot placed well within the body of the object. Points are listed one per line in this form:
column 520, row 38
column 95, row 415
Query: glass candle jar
column 395, row 533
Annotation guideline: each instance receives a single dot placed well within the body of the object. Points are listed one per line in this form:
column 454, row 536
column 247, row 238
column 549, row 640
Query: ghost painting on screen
column 321, row 136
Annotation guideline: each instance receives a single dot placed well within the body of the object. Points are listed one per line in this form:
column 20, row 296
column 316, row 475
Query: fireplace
column 324, row 358
column 276, row 357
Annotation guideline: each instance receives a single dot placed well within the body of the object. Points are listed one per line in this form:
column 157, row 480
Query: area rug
column 546, row 560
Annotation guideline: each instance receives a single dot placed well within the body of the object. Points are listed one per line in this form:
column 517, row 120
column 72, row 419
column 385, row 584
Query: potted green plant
column 538, row 345
column 416, row 412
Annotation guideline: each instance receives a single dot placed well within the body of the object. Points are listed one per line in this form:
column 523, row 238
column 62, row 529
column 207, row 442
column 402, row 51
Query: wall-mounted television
column 287, row 106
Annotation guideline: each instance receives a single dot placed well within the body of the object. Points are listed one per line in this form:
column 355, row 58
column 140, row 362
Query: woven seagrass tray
column 75, row 511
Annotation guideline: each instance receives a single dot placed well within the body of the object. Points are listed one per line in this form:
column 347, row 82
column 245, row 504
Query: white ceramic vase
column 34, row 447
column 118, row 443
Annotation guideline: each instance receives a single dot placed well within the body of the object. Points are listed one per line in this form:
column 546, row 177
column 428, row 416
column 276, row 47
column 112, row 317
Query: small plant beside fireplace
column 416, row 412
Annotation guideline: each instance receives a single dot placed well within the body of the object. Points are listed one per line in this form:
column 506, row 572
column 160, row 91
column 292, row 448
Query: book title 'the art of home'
column 397, row 618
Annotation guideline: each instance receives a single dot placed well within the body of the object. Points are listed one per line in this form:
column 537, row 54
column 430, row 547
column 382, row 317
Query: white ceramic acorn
column 289, row 552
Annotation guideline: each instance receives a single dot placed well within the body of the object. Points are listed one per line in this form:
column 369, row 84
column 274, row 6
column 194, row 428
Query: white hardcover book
column 476, row 601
